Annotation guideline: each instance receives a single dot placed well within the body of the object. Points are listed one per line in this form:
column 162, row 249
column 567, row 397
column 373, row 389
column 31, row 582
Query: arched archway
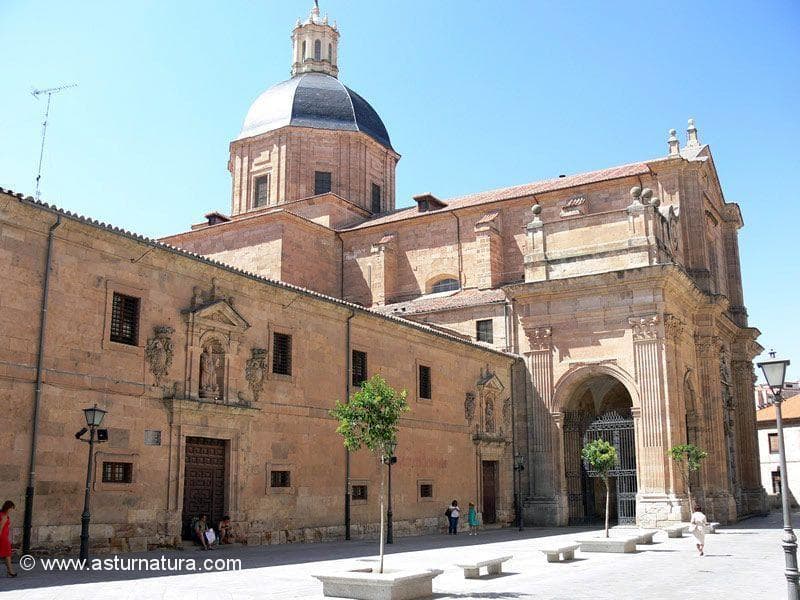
column 599, row 405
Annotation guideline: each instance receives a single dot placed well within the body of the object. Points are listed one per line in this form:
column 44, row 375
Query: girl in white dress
column 698, row 525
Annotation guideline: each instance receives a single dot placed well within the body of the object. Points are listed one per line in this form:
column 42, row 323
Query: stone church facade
column 523, row 321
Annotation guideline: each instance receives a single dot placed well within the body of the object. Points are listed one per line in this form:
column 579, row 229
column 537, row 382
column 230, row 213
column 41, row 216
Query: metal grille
column 426, row 490
column 445, row 285
column 359, row 367
column 424, row 382
column 124, row 319
column 484, row 331
column 280, row 479
column 359, row 492
column 282, row 353
column 117, row 472
column 376, row 198
column 262, row 190
column 322, row 182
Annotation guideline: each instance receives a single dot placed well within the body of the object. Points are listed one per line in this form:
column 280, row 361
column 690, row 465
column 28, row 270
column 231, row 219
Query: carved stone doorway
column 489, row 473
column 203, row 481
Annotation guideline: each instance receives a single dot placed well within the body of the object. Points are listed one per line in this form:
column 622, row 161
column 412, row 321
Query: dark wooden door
column 203, row 481
column 489, row 469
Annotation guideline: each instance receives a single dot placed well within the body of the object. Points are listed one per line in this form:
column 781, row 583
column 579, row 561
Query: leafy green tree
column 688, row 457
column 370, row 420
column 601, row 456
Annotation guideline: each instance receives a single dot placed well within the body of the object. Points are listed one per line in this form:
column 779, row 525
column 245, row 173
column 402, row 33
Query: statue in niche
column 209, row 373
column 489, row 411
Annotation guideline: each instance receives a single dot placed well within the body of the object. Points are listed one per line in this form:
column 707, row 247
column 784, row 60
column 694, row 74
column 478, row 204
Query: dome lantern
column 315, row 45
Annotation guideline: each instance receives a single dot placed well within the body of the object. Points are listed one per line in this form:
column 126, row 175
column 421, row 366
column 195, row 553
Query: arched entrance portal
column 600, row 407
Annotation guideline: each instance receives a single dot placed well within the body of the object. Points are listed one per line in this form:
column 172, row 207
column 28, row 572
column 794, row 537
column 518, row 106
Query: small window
column 322, row 182
column 280, row 479
column 772, row 438
column 484, row 331
column 445, row 285
column 426, row 490
column 152, row 437
column 424, row 382
column 376, row 198
column 262, row 190
column 317, row 50
column 359, row 367
column 282, row 353
column 303, row 52
column 124, row 319
column 330, row 52
column 359, row 492
column 117, row 472
column 776, row 482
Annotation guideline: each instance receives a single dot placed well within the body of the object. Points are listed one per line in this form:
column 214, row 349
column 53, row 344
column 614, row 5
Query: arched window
column 330, row 52
column 317, row 50
column 303, row 52
column 445, row 285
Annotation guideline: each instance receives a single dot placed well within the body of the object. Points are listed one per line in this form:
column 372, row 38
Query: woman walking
column 698, row 525
column 5, row 536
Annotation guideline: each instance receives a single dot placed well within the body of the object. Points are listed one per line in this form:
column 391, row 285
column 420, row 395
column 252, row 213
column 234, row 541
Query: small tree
column 370, row 420
column 601, row 457
column 688, row 457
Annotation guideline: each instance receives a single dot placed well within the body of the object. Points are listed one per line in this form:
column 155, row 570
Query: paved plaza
column 742, row 561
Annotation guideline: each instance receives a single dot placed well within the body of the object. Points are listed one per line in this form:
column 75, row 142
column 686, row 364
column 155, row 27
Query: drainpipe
column 37, row 398
column 347, row 377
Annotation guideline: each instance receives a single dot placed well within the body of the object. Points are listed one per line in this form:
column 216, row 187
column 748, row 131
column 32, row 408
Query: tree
column 688, row 457
column 601, row 457
column 370, row 420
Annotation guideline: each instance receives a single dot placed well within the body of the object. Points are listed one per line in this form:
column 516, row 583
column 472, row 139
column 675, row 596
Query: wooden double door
column 203, row 481
column 489, row 481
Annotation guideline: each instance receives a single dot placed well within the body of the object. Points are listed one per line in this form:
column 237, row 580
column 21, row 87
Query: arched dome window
column 317, row 50
column 447, row 284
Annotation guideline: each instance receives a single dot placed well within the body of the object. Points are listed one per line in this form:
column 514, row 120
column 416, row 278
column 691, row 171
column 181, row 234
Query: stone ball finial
column 647, row 193
column 655, row 202
column 636, row 191
column 691, row 124
column 536, row 209
column 673, row 134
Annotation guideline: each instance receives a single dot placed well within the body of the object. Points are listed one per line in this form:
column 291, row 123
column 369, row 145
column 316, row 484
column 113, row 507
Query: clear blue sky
column 475, row 95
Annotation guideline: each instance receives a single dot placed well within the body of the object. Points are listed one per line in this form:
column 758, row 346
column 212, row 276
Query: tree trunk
column 608, row 498
column 383, row 513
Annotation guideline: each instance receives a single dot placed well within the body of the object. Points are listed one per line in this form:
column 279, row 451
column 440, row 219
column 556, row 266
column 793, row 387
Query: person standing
column 472, row 519
column 698, row 526
column 453, row 513
column 5, row 536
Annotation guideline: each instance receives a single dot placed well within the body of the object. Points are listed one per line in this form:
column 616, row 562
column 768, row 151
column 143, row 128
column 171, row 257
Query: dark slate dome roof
column 313, row 100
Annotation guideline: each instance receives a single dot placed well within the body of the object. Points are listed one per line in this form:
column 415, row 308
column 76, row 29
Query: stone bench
column 610, row 544
column 712, row 527
column 555, row 554
column 676, row 531
column 645, row 536
column 363, row 584
column 494, row 566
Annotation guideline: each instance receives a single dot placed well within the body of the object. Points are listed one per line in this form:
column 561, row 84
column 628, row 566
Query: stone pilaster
column 536, row 250
column 489, row 242
column 384, row 270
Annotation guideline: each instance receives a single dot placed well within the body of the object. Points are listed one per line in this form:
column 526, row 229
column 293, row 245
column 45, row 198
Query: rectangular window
column 772, row 438
column 776, row 482
column 262, row 190
column 359, row 367
column 426, row 490
column 280, row 479
column 125, row 319
column 152, row 437
column 484, row 331
column 359, row 492
column 282, row 353
column 376, row 198
column 117, row 472
column 424, row 382
column 322, row 182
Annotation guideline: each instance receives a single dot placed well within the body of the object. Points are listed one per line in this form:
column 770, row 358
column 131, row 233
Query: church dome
column 314, row 100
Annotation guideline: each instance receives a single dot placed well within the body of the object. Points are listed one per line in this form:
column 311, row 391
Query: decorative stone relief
column 706, row 343
column 469, row 407
column 673, row 326
column 256, row 371
column 644, row 328
column 540, row 338
column 159, row 352
column 507, row 413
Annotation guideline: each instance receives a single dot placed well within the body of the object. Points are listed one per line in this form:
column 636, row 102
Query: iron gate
column 618, row 431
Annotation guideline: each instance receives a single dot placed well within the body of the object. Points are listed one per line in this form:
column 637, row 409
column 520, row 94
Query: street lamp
column 519, row 467
column 775, row 373
column 94, row 417
column 390, row 460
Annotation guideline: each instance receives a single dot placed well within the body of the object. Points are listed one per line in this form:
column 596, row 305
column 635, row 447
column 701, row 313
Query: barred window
column 376, row 198
column 359, row 492
column 426, row 490
column 278, row 479
column 445, row 285
column 359, row 367
column 282, row 353
column 322, row 182
column 424, row 382
column 484, row 331
column 262, row 190
column 124, row 319
column 117, row 472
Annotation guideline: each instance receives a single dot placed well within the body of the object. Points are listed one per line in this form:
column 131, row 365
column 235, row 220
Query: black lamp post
column 775, row 373
column 94, row 417
column 519, row 467
column 390, row 460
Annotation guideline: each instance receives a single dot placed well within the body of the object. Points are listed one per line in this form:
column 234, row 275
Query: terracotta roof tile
column 435, row 302
column 790, row 409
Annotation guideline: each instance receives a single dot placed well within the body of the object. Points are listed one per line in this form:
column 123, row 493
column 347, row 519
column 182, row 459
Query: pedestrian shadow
column 718, row 555
column 482, row 595
column 566, row 562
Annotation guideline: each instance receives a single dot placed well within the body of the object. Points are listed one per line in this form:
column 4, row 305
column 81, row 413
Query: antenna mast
column 36, row 94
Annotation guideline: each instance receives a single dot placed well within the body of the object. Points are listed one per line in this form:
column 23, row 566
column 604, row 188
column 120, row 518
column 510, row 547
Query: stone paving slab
column 744, row 561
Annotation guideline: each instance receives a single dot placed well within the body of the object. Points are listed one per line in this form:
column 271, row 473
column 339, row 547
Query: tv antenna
column 36, row 93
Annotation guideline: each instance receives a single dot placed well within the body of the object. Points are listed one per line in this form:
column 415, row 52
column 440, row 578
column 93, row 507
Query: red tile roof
column 435, row 302
column 790, row 409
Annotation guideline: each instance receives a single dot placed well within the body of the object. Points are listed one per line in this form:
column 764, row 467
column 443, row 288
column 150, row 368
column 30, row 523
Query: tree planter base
column 610, row 544
column 363, row 584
